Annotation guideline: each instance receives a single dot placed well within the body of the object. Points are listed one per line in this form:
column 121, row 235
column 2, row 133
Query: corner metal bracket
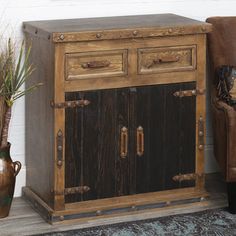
column 70, row 104
column 79, row 189
column 187, row 177
column 73, row 190
column 188, row 93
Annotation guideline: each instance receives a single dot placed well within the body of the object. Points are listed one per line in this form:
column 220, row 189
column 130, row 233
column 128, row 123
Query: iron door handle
column 140, row 141
column 123, row 142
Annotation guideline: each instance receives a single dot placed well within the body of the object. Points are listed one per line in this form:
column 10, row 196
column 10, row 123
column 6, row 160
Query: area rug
column 216, row 222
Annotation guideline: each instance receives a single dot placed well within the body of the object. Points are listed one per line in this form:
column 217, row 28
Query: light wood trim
column 132, row 67
column 117, row 202
column 137, row 199
column 59, row 114
column 200, row 106
column 128, row 33
column 87, row 46
column 131, row 81
column 158, row 212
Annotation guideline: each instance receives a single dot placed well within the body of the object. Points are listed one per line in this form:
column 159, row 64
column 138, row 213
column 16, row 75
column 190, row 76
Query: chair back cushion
column 221, row 44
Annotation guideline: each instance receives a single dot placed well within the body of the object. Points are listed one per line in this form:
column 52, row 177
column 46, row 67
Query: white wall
column 14, row 12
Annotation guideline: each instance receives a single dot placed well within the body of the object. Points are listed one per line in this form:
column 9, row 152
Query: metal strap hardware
column 73, row 190
column 188, row 93
column 200, row 133
column 70, row 104
column 59, row 148
column 187, row 177
column 79, row 189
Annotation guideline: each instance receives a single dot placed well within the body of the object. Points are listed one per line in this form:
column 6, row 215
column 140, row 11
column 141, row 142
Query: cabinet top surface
column 119, row 22
column 158, row 21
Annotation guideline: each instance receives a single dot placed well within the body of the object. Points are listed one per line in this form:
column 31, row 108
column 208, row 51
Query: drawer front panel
column 166, row 59
column 87, row 65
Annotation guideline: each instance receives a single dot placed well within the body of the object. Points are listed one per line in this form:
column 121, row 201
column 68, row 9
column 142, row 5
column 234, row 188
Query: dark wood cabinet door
column 128, row 141
column 168, row 126
column 92, row 144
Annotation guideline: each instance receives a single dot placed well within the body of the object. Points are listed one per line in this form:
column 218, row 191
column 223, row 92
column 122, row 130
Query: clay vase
column 8, row 173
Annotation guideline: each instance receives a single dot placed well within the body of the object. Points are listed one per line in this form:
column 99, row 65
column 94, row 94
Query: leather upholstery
column 222, row 51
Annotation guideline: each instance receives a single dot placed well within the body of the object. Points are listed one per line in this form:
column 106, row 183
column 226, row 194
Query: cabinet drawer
column 97, row 64
column 166, row 59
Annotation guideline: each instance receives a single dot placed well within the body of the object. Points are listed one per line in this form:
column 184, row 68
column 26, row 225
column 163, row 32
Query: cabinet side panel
column 39, row 120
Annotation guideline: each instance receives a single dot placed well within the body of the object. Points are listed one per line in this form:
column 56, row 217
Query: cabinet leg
column 231, row 189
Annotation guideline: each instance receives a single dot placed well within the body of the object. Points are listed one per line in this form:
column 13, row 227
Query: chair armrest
column 230, row 112
column 226, row 115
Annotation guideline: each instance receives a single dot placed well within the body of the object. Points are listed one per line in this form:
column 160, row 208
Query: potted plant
column 14, row 71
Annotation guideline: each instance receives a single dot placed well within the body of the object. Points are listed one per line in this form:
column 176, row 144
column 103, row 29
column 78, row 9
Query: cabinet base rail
column 117, row 206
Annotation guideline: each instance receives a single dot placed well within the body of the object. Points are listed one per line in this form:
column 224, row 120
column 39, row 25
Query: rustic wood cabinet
column 118, row 125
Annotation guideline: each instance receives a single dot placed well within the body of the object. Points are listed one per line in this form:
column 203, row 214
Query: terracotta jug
column 8, row 173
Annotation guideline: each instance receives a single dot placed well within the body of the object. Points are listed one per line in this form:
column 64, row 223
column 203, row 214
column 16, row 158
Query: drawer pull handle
column 95, row 64
column 140, row 141
column 123, row 142
column 167, row 59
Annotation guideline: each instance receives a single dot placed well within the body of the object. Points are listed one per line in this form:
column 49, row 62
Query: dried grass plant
column 14, row 71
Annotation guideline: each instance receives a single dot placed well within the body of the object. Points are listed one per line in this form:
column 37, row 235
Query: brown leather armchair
column 222, row 51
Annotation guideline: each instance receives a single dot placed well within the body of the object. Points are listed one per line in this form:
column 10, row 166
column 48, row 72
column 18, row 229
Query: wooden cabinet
column 120, row 115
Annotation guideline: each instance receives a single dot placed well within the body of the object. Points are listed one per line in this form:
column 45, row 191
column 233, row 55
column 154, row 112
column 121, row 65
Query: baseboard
column 20, row 182
column 211, row 165
column 143, row 203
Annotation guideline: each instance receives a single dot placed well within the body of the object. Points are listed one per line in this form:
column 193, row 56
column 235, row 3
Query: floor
column 23, row 220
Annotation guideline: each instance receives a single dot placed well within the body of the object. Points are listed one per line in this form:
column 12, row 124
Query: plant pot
column 8, row 173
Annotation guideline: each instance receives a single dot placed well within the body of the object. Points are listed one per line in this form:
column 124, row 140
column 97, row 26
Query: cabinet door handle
column 123, row 142
column 140, row 141
column 162, row 60
column 95, row 64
